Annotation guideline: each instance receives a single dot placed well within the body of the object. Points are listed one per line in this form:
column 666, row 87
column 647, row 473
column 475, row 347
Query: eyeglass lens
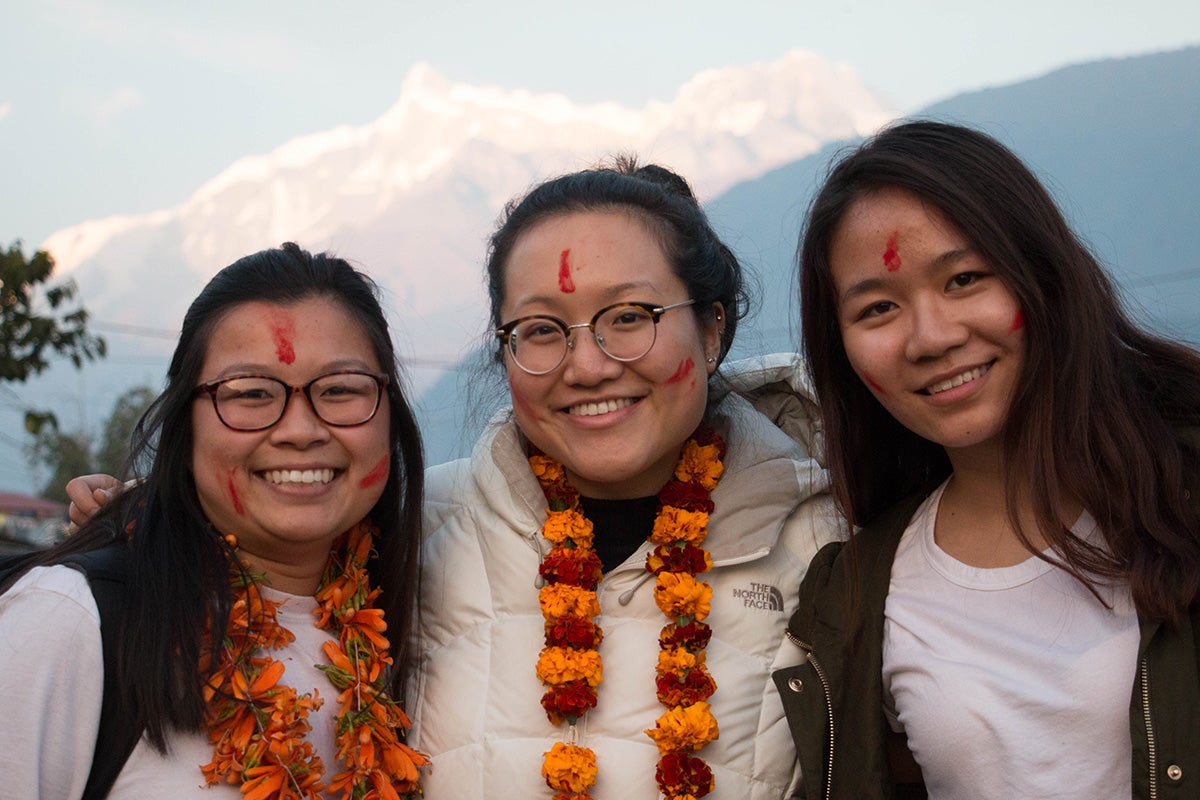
column 624, row 332
column 253, row 403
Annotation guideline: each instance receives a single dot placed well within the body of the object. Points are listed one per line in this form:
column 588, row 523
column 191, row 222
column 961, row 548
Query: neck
column 973, row 523
column 293, row 577
column 644, row 485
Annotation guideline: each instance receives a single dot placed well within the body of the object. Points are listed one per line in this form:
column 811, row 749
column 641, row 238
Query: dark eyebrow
column 940, row 262
column 609, row 293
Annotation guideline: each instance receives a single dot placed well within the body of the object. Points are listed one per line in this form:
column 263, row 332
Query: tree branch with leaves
column 39, row 322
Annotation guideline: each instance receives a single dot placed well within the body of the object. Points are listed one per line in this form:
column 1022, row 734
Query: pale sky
column 127, row 106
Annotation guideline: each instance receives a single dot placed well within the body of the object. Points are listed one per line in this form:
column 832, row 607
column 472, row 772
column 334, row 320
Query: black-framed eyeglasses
column 624, row 331
column 256, row 402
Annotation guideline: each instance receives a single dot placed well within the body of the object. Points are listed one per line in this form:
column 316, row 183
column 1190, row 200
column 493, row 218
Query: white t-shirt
column 1009, row 682
column 51, row 682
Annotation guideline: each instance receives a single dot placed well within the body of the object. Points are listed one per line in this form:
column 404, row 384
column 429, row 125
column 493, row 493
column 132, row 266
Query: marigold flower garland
column 257, row 725
column 569, row 665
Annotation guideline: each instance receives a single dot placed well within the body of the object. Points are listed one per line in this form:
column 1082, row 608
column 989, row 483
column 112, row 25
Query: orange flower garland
column 257, row 726
column 569, row 664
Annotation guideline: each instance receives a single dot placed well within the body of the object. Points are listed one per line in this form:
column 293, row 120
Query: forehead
column 583, row 254
column 890, row 230
column 280, row 334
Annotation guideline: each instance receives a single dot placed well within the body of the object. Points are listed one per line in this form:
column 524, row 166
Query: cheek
column 378, row 473
column 874, row 384
column 519, row 394
column 682, row 371
column 233, row 495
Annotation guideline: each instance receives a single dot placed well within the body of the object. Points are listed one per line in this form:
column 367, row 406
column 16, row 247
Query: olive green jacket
column 834, row 701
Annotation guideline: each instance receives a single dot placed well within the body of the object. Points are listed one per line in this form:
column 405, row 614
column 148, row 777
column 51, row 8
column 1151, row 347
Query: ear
column 713, row 329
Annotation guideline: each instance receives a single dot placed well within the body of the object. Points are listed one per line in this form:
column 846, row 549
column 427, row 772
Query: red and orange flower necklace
column 569, row 665
column 257, row 725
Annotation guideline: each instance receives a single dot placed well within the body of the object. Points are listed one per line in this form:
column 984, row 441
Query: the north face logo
column 760, row 595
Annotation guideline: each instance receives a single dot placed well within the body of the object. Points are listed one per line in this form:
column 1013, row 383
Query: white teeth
column 603, row 407
column 280, row 476
column 958, row 380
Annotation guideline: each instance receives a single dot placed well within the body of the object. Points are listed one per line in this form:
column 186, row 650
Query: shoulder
column 59, row 586
column 858, row 568
column 777, row 387
column 53, row 606
column 444, row 481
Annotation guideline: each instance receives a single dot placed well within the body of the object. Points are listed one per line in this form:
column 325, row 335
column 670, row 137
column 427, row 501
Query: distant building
column 32, row 520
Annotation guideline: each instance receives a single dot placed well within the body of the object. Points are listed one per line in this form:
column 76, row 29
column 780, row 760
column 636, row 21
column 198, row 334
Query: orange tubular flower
column 258, row 726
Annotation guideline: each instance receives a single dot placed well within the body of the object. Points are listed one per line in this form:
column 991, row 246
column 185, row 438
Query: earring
column 718, row 317
column 712, row 360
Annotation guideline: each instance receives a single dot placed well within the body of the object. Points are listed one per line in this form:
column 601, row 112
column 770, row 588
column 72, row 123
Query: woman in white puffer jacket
column 615, row 411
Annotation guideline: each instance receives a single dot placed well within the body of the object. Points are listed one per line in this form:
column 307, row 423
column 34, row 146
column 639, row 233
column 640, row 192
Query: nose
column 586, row 363
column 299, row 426
column 936, row 327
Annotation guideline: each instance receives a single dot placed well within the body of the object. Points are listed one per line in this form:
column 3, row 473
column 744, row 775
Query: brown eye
column 877, row 309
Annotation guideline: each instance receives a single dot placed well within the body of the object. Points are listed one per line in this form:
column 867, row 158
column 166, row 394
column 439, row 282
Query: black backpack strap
column 107, row 571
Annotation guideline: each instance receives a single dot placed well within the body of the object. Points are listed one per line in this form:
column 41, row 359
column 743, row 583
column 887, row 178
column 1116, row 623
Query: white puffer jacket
column 479, row 711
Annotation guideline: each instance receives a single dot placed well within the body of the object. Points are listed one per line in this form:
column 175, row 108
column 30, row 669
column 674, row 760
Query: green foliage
column 39, row 322
column 66, row 455
column 113, row 450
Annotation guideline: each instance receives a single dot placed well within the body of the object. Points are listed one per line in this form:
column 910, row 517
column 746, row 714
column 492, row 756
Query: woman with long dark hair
column 262, row 639
column 1016, row 615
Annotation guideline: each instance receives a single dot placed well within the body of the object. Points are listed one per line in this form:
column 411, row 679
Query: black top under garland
column 620, row 526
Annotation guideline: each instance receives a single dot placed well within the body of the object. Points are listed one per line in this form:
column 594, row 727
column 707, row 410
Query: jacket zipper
column 808, row 652
column 1150, row 746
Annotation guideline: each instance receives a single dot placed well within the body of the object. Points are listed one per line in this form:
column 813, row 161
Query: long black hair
column 179, row 575
column 1100, row 407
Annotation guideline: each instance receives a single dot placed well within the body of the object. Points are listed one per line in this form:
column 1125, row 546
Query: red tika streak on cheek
column 891, row 256
column 682, row 371
column 1018, row 322
column 565, row 284
column 282, row 331
column 377, row 474
column 874, row 385
column 237, row 503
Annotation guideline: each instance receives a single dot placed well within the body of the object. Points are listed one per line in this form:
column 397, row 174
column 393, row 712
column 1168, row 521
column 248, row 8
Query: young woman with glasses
column 263, row 639
column 620, row 552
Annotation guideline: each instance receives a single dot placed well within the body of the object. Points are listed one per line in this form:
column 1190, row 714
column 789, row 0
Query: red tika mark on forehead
column 682, row 371
column 874, row 385
column 565, row 284
column 377, row 474
column 282, row 332
column 237, row 503
column 891, row 256
column 1018, row 322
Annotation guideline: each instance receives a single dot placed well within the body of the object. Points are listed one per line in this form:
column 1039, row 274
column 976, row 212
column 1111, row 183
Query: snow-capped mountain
column 413, row 195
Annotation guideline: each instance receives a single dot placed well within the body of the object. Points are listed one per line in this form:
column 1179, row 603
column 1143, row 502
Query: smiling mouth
column 280, row 477
column 957, row 380
column 602, row 407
